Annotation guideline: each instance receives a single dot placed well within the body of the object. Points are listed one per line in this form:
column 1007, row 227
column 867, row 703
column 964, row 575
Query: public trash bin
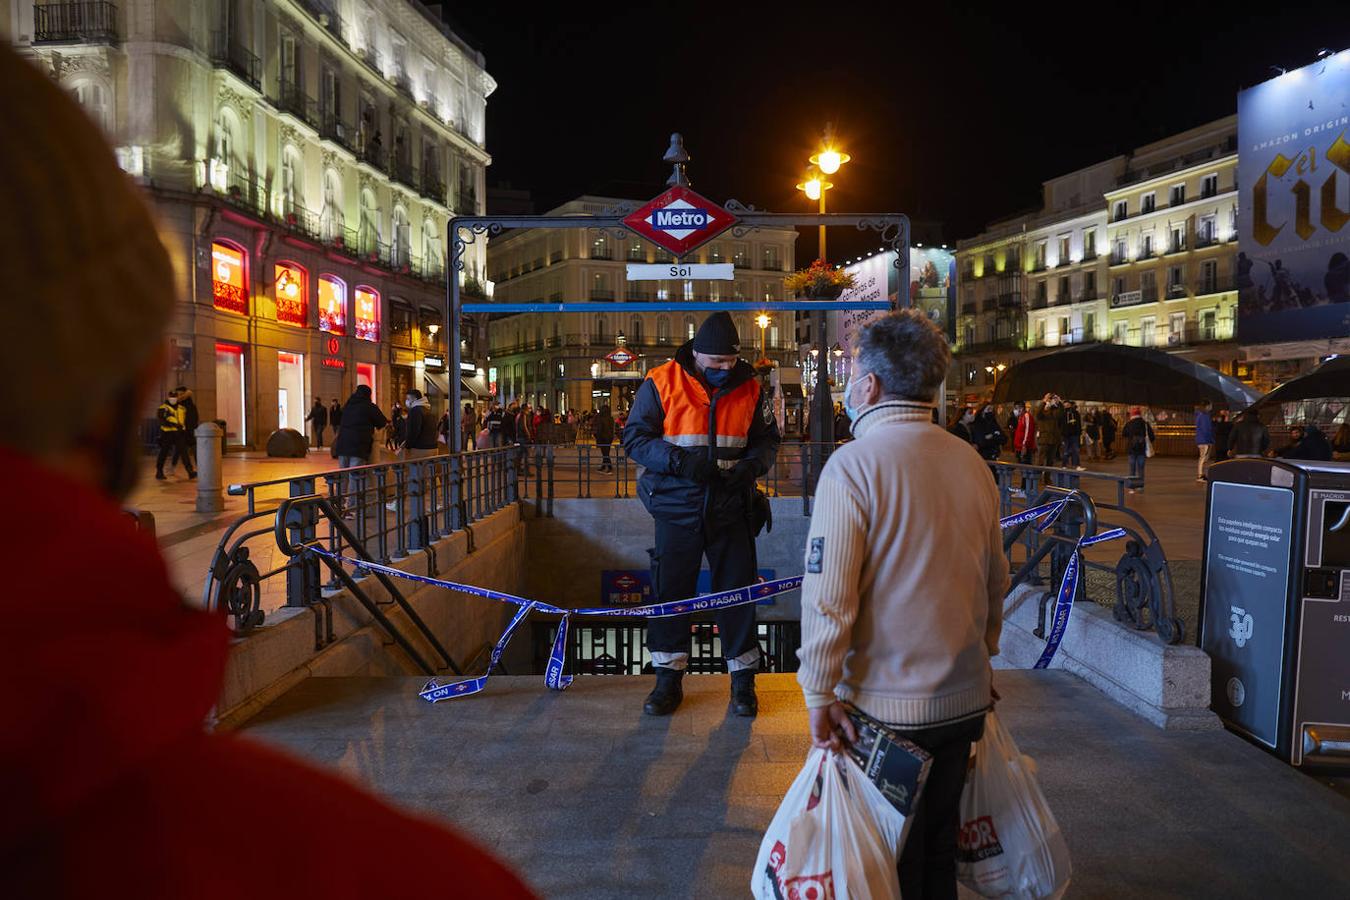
column 1275, row 605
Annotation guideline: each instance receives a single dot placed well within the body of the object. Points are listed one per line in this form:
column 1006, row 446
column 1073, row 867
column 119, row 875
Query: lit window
column 367, row 316
column 291, row 298
column 332, row 305
column 228, row 279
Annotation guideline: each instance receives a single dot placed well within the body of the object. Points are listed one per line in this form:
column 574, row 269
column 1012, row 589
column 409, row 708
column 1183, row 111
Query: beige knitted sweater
column 902, row 602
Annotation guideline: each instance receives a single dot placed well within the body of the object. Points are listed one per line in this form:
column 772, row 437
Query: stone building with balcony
column 1138, row 249
column 303, row 158
column 560, row 360
column 1172, row 238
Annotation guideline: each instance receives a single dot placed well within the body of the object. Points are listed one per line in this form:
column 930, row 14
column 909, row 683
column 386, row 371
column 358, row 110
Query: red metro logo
column 680, row 220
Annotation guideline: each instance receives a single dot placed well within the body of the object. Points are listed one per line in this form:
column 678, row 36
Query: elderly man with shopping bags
column 904, row 583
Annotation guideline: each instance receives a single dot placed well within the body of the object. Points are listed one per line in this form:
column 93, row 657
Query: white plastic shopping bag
column 834, row 837
column 1009, row 844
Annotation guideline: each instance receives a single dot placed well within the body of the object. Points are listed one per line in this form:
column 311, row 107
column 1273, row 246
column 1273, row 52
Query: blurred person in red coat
column 112, row 786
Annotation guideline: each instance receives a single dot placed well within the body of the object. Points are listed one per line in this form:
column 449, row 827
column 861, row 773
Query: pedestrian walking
column 335, row 417
column 1139, row 438
column 493, row 422
column 1306, row 442
column 902, row 597
column 842, row 425
column 187, row 448
column 509, row 423
column 318, row 415
column 1092, row 433
column 603, row 425
column 1109, row 428
column 1250, row 436
column 468, row 425
column 703, row 432
column 1204, row 439
column 961, row 427
column 395, row 432
column 1048, row 433
column 1223, row 432
column 1340, row 444
column 1071, row 427
column 354, row 442
column 1024, row 443
column 987, row 435
column 172, row 437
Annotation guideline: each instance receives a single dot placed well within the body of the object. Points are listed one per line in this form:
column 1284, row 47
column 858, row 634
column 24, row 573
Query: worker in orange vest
column 703, row 432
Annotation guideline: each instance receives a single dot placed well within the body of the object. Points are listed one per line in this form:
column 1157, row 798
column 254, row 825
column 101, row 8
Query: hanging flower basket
column 820, row 281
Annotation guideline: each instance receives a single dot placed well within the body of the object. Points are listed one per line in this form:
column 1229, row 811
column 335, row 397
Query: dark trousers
column 676, row 561
column 928, row 861
column 174, row 442
column 604, row 456
column 318, row 435
column 1071, row 455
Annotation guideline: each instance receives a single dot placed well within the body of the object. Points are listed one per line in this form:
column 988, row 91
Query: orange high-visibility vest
column 686, row 403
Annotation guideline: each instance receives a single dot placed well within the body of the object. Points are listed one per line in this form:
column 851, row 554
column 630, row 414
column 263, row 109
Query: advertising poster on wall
column 1293, row 267
column 932, row 286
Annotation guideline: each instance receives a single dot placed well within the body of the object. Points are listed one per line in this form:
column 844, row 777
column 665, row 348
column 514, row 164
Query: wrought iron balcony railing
column 87, row 23
column 292, row 99
column 227, row 52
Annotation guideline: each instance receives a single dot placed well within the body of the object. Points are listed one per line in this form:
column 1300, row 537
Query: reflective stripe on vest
column 685, row 402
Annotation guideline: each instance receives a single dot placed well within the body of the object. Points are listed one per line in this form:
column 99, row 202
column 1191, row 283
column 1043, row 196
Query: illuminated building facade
column 304, row 158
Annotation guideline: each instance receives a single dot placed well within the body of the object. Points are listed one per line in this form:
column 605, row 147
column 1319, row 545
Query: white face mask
column 852, row 411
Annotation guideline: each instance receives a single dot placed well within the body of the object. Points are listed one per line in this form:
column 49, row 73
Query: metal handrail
column 395, row 509
column 1145, row 595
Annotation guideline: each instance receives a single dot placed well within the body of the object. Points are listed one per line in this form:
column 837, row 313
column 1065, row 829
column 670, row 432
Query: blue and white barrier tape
column 556, row 677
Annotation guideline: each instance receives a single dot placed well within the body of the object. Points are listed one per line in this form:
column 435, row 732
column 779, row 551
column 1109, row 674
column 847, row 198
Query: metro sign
column 680, row 220
column 620, row 357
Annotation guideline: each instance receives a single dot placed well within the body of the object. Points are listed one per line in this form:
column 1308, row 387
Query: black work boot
column 666, row 696
column 743, row 699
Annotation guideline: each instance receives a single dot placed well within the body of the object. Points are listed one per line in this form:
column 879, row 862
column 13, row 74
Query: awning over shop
column 476, row 386
column 792, row 391
column 438, row 382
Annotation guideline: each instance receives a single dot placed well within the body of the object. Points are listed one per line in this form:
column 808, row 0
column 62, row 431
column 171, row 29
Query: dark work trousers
column 1072, row 457
column 676, row 562
column 928, row 861
column 174, row 442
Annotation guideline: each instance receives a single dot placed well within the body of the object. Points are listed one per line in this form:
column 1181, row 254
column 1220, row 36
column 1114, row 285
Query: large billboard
column 932, row 286
column 1293, row 267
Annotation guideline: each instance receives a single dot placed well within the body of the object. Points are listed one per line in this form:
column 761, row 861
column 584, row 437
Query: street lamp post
column 763, row 322
column 825, row 162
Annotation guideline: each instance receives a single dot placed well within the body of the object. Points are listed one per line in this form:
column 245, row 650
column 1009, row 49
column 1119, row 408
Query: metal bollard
column 210, row 496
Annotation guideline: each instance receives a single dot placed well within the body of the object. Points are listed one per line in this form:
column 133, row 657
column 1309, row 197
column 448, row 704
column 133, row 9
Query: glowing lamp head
column 829, row 160
column 762, row 321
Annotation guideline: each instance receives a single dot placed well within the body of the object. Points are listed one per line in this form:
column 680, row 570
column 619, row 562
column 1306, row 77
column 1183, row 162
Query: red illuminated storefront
column 292, row 294
column 229, row 278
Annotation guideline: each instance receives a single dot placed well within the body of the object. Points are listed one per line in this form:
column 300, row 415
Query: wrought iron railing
column 229, row 53
column 381, row 512
column 292, row 99
column 1144, row 594
column 89, row 23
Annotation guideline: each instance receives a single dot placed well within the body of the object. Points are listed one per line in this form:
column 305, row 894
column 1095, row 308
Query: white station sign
column 663, row 271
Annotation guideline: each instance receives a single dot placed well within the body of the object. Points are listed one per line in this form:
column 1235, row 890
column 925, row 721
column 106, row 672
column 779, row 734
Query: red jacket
column 111, row 785
column 1024, row 438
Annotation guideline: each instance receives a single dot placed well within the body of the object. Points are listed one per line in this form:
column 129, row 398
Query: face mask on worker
column 717, row 377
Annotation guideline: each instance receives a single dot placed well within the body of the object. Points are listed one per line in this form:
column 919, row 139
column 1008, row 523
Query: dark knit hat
column 717, row 336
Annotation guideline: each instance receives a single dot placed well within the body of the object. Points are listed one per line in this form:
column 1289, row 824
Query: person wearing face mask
column 902, row 597
column 703, row 432
column 172, row 435
column 87, row 758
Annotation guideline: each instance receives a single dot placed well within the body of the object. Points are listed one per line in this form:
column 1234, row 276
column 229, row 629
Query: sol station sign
column 680, row 220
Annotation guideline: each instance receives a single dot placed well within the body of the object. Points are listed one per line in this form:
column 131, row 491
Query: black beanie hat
column 717, row 336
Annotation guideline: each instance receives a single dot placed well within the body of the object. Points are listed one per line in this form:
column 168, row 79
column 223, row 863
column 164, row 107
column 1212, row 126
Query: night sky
column 950, row 115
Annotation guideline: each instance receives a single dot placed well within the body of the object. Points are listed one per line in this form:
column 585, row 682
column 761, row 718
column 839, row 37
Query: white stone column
column 210, row 497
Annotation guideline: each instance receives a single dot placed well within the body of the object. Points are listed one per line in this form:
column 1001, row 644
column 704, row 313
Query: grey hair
column 907, row 353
